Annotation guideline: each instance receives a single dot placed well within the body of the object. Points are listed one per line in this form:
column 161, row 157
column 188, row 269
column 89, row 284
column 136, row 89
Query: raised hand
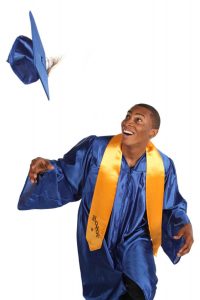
column 38, row 166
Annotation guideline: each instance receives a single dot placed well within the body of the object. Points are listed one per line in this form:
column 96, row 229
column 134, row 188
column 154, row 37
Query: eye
column 127, row 117
column 138, row 120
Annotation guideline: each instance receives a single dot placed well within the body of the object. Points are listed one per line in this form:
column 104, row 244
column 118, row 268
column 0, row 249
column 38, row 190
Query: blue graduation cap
column 27, row 58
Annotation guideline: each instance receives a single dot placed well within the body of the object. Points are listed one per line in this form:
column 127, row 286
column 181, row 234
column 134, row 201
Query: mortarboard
column 27, row 58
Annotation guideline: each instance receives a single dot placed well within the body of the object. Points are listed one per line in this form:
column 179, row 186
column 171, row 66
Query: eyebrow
column 130, row 112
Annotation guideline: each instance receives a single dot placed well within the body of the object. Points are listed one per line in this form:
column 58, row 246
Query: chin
column 128, row 140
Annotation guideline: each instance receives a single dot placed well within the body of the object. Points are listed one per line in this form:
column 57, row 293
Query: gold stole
column 105, row 190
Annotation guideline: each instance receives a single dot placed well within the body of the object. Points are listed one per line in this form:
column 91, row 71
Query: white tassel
column 51, row 62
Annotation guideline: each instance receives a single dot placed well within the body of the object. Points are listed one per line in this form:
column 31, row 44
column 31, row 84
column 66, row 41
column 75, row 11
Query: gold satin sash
column 155, row 181
column 105, row 190
column 104, row 193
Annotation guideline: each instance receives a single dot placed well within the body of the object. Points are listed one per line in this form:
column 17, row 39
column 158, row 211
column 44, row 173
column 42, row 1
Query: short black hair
column 155, row 117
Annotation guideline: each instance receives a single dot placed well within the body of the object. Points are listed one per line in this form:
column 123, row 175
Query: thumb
column 178, row 235
column 50, row 167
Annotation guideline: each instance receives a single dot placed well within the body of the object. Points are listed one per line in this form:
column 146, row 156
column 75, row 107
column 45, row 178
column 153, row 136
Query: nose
column 128, row 123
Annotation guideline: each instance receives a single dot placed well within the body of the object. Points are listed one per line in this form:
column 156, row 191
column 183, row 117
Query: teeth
column 128, row 132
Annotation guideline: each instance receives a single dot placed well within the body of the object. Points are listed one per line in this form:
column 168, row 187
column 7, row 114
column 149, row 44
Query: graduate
column 130, row 206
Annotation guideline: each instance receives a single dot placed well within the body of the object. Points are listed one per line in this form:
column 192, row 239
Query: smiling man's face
column 137, row 127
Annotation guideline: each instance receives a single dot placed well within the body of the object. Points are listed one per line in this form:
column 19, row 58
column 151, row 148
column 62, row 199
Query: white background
column 115, row 54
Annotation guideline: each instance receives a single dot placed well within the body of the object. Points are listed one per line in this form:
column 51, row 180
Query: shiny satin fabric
column 27, row 58
column 21, row 60
column 104, row 193
column 105, row 190
column 127, row 248
column 155, row 178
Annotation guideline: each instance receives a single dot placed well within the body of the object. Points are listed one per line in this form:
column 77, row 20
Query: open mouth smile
column 127, row 132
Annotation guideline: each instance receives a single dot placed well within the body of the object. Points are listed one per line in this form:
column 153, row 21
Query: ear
column 153, row 133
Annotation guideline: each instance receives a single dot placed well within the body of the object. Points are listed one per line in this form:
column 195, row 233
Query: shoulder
column 83, row 147
column 102, row 141
column 93, row 141
column 168, row 162
column 99, row 146
column 90, row 143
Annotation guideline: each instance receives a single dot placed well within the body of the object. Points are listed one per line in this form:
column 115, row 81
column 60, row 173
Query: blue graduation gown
column 127, row 248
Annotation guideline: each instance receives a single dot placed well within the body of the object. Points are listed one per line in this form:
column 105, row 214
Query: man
column 129, row 192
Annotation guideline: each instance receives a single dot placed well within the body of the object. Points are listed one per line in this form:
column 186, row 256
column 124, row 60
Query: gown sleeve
column 174, row 215
column 61, row 185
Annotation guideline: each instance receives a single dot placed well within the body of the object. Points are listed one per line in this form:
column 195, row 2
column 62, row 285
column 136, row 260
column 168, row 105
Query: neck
column 133, row 152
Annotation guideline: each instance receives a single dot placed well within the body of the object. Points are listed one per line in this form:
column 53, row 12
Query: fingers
column 187, row 233
column 179, row 235
column 39, row 165
column 186, row 247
